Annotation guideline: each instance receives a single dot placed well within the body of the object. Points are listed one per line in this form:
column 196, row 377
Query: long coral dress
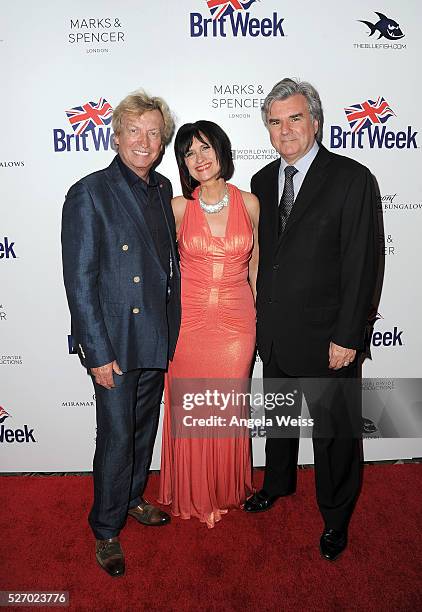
column 205, row 476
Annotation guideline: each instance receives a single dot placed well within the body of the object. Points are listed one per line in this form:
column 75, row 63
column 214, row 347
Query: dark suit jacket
column 315, row 283
column 115, row 283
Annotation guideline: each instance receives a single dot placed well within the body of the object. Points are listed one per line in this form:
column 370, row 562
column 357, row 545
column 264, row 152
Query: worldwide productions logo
column 91, row 127
column 233, row 18
column 254, row 154
column 387, row 29
column 366, row 121
column 377, row 408
column 9, row 435
column 11, row 360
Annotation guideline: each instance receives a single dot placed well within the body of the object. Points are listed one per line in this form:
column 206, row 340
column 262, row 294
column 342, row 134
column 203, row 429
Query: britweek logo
column 3, row 415
column 9, row 435
column 7, row 249
column 389, row 337
column 366, row 122
column 233, row 18
column 90, row 123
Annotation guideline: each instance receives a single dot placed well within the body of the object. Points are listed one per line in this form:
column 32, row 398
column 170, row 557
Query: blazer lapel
column 269, row 198
column 129, row 204
column 172, row 234
column 311, row 185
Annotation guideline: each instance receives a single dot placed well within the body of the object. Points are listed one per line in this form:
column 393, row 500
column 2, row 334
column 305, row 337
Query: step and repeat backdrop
column 210, row 60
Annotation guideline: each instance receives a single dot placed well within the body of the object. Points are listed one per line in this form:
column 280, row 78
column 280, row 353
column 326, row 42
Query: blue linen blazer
column 115, row 283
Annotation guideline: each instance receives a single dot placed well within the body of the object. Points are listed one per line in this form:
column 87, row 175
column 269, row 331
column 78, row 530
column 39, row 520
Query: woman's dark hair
column 219, row 141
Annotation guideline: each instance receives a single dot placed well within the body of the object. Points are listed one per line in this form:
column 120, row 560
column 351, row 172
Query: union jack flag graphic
column 3, row 414
column 90, row 115
column 362, row 116
column 222, row 8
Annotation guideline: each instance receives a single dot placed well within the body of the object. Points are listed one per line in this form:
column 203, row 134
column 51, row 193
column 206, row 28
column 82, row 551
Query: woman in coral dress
column 204, row 475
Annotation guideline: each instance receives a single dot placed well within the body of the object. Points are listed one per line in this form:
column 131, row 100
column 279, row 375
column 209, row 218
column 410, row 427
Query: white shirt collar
column 303, row 164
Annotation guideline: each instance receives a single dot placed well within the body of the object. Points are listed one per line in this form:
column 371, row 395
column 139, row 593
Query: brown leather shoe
column 150, row 515
column 109, row 555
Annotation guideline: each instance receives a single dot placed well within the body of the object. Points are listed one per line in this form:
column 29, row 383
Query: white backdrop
column 56, row 56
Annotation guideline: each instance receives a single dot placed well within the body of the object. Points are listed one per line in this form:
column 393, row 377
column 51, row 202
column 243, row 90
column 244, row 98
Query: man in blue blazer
column 122, row 281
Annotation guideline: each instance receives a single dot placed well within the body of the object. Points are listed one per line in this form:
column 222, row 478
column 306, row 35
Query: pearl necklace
column 214, row 208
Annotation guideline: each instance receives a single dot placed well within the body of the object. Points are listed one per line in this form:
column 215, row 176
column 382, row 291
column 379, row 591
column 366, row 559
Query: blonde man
column 123, row 287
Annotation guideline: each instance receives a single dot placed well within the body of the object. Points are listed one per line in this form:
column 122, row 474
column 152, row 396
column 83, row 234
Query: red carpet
column 263, row 562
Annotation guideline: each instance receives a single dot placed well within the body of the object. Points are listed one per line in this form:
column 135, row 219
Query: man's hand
column 339, row 356
column 104, row 374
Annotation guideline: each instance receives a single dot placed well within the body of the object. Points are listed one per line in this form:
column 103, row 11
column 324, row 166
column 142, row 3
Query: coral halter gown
column 206, row 476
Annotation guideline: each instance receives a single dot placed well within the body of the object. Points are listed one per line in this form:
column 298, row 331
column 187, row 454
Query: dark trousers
column 336, row 441
column 127, row 420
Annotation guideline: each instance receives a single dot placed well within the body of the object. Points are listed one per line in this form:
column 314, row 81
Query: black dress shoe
column 149, row 515
column 260, row 502
column 109, row 555
column 332, row 543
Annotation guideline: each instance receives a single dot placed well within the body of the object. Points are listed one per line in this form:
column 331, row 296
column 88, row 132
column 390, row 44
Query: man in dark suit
column 315, row 282
column 122, row 281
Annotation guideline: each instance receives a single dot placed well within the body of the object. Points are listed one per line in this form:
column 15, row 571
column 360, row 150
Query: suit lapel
column 311, row 185
column 129, row 204
column 168, row 216
column 269, row 198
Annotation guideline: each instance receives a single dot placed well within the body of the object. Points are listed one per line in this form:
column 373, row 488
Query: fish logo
column 387, row 28
column 3, row 414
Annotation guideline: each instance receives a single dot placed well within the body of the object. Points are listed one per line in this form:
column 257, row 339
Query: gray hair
column 137, row 103
column 289, row 87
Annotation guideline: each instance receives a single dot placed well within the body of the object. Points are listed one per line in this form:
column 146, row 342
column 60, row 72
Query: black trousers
column 336, row 440
column 127, row 420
